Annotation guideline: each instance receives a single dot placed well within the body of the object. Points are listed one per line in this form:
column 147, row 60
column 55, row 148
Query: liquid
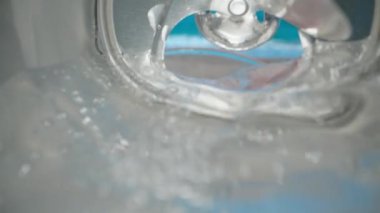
column 84, row 129
column 288, row 87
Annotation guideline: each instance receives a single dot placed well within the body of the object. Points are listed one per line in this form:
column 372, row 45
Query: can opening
column 241, row 70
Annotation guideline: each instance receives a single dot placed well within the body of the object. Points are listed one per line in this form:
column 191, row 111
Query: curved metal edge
column 208, row 101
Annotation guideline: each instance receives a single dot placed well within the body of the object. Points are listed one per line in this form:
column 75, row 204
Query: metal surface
column 326, row 19
column 139, row 47
column 77, row 136
column 236, row 30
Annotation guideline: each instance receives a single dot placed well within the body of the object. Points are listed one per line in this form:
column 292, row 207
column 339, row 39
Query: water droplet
column 24, row 170
column 47, row 123
column 87, row 120
column 314, row 157
column 62, row 116
column 83, row 110
column 78, row 99
column 124, row 142
column 75, row 93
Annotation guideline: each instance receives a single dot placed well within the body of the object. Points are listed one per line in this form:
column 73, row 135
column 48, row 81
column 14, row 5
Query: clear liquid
column 85, row 135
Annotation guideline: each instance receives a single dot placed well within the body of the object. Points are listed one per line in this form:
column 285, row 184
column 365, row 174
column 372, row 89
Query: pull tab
column 234, row 25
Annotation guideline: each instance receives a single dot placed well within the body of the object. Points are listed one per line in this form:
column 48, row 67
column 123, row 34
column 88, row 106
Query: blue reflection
column 285, row 44
column 313, row 192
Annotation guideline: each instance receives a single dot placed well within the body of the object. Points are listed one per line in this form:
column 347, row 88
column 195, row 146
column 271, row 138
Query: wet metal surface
column 75, row 137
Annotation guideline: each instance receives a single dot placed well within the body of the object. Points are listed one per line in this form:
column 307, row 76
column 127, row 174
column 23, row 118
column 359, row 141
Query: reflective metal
column 80, row 131
column 235, row 25
column 137, row 49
